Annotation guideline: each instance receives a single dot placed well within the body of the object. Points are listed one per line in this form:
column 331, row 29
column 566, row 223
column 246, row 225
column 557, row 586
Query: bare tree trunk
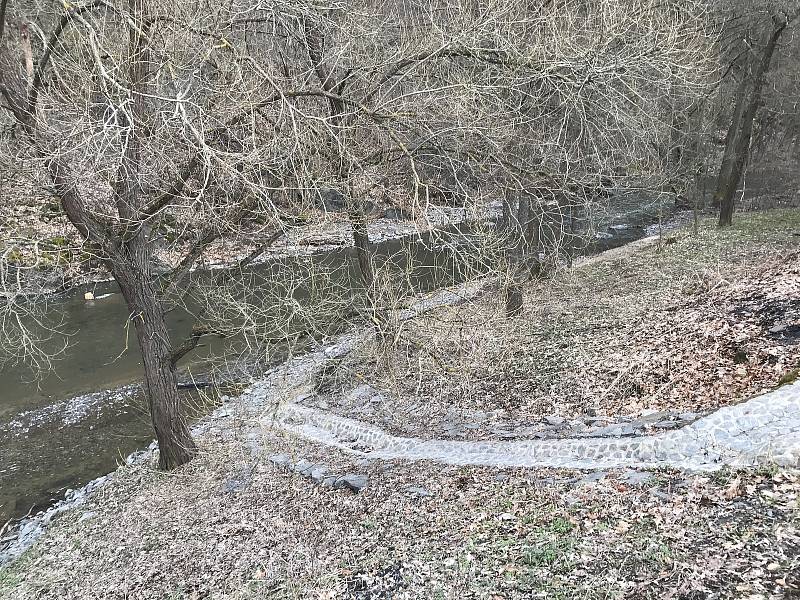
column 175, row 444
column 363, row 249
column 729, row 180
column 518, row 273
column 732, row 135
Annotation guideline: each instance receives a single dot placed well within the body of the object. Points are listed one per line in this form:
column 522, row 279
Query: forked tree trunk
column 175, row 444
column 731, row 171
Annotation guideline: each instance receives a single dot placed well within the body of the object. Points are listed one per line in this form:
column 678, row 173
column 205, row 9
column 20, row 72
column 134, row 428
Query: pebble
column 318, row 474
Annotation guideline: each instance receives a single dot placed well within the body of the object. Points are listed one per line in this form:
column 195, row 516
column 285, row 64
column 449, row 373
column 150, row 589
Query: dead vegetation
column 703, row 322
column 477, row 534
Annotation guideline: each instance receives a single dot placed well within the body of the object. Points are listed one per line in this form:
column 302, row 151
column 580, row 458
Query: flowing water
column 79, row 421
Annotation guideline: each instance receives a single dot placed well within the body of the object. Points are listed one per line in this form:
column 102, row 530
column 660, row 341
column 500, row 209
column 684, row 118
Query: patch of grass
column 8, row 579
column 788, row 377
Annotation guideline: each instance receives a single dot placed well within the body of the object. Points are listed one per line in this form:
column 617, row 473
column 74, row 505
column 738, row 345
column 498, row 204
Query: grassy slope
column 685, row 326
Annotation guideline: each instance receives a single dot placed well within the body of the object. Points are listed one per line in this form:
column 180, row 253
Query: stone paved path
column 763, row 430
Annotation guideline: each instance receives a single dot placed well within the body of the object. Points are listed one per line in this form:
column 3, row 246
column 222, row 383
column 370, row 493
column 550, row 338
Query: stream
column 79, row 421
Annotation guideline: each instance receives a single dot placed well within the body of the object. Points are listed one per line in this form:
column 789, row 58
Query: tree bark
column 740, row 142
column 519, row 247
column 175, row 444
column 731, row 137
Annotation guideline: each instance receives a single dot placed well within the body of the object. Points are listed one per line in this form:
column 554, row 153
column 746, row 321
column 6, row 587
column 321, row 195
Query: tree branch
column 190, row 343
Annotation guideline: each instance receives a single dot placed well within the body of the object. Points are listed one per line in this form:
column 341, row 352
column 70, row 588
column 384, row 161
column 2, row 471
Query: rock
column 648, row 416
column 688, row 416
column 86, row 516
column 303, row 467
column 418, row 492
column 234, row 485
column 636, row 478
column 337, row 351
column 501, row 477
column 616, row 430
column 595, row 420
column 351, row 481
column 778, row 329
column 280, row 460
column 506, row 517
column 554, row 420
column 318, row 474
column 592, row 478
column 665, row 424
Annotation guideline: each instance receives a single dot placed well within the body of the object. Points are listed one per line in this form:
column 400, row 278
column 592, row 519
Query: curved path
column 763, row 430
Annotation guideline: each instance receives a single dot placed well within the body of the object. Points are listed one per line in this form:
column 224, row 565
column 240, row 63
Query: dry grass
column 525, row 534
column 686, row 326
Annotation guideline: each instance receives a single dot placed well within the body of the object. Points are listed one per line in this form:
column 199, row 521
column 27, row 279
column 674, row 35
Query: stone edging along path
column 763, row 430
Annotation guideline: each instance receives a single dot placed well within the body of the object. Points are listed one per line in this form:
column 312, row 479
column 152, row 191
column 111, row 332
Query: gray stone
column 616, row 430
column 418, row 492
column 280, row 460
column 351, row 481
column 636, row 478
column 303, row 467
column 235, row 484
column 318, row 474
column 648, row 416
column 554, row 420
column 592, row 478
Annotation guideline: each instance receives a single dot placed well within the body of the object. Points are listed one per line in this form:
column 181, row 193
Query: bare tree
column 219, row 123
column 752, row 67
